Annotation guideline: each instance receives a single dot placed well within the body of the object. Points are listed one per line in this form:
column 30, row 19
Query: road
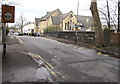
column 71, row 63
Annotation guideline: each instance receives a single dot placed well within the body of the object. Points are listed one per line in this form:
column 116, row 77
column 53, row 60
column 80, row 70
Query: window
column 65, row 26
column 68, row 26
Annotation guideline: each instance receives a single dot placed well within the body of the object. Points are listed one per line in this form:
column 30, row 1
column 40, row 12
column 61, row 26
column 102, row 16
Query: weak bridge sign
column 8, row 14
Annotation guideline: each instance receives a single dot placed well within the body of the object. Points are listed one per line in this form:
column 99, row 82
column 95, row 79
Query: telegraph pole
column 118, row 16
column 77, row 22
column 108, row 15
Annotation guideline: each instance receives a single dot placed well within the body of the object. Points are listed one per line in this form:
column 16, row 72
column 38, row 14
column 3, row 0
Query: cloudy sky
column 38, row 8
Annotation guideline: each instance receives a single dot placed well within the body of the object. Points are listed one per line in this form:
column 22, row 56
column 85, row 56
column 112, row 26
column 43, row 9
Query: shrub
column 51, row 28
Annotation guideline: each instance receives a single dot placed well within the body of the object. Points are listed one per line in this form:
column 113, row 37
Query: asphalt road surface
column 71, row 63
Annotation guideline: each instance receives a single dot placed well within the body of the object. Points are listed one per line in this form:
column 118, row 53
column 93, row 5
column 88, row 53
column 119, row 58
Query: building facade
column 64, row 22
column 47, row 19
column 28, row 28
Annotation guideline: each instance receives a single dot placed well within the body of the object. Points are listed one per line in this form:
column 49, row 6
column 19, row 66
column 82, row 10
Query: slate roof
column 48, row 15
column 85, row 20
column 57, row 19
column 37, row 20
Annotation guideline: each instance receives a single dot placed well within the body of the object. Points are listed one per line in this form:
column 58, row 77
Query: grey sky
column 38, row 8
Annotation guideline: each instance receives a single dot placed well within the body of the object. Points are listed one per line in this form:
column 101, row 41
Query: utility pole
column 108, row 11
column 77, row 22
column 118, row 16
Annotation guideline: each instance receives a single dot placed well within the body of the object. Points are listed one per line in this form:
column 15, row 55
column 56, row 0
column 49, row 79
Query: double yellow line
column 47, row 65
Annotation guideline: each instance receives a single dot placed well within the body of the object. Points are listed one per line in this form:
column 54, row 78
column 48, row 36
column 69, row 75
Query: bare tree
column 20, row 22
column 97, row 24
column 109, row 12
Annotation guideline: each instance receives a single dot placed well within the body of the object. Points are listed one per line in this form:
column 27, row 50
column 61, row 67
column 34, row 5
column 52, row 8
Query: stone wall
column 115, row 38
column 79, row 36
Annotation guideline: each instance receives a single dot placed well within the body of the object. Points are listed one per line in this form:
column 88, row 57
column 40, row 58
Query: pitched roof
column 63, row 16
column 37, row 20
column 57, row 19
column 48, row 14
column 85, row 20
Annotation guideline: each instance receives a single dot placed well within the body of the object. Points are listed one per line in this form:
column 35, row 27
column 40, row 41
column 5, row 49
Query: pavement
column 112, row 51
column 17, row 66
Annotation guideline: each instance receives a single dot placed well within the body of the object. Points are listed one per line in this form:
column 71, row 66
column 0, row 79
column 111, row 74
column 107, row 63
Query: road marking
column 20, row 41
column 47, row 65
column 45, row 61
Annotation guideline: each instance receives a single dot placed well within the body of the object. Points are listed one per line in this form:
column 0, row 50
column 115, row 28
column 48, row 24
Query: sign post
column 8, row 13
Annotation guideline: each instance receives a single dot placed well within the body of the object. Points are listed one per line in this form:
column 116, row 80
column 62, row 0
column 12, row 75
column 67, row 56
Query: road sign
column 8, row 14
column 79, row 26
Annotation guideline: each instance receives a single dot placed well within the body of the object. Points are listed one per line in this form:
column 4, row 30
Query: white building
column 28, row 29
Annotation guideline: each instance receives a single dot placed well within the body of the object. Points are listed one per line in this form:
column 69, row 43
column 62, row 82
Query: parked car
column 21, row 34
column 16, row 33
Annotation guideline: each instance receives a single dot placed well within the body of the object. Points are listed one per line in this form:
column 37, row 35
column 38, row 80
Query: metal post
column 4, row 39
column 76, row 37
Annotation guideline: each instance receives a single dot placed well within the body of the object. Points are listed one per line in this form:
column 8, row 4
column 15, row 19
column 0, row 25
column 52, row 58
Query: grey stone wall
column 79, row 36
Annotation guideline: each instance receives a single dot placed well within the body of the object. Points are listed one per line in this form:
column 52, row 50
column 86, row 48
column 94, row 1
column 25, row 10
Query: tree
column 109, row 12
column 97, row 24
column 20, row 22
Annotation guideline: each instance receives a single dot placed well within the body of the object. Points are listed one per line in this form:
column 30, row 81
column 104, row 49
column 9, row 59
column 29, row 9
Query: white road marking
column 20, row 41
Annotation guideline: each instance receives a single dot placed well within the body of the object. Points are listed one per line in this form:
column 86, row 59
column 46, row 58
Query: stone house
column 65, row 22
column 47, row 19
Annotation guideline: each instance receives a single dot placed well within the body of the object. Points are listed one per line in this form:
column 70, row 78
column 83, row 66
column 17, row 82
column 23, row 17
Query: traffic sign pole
column 4, row 39
column 7, row 17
